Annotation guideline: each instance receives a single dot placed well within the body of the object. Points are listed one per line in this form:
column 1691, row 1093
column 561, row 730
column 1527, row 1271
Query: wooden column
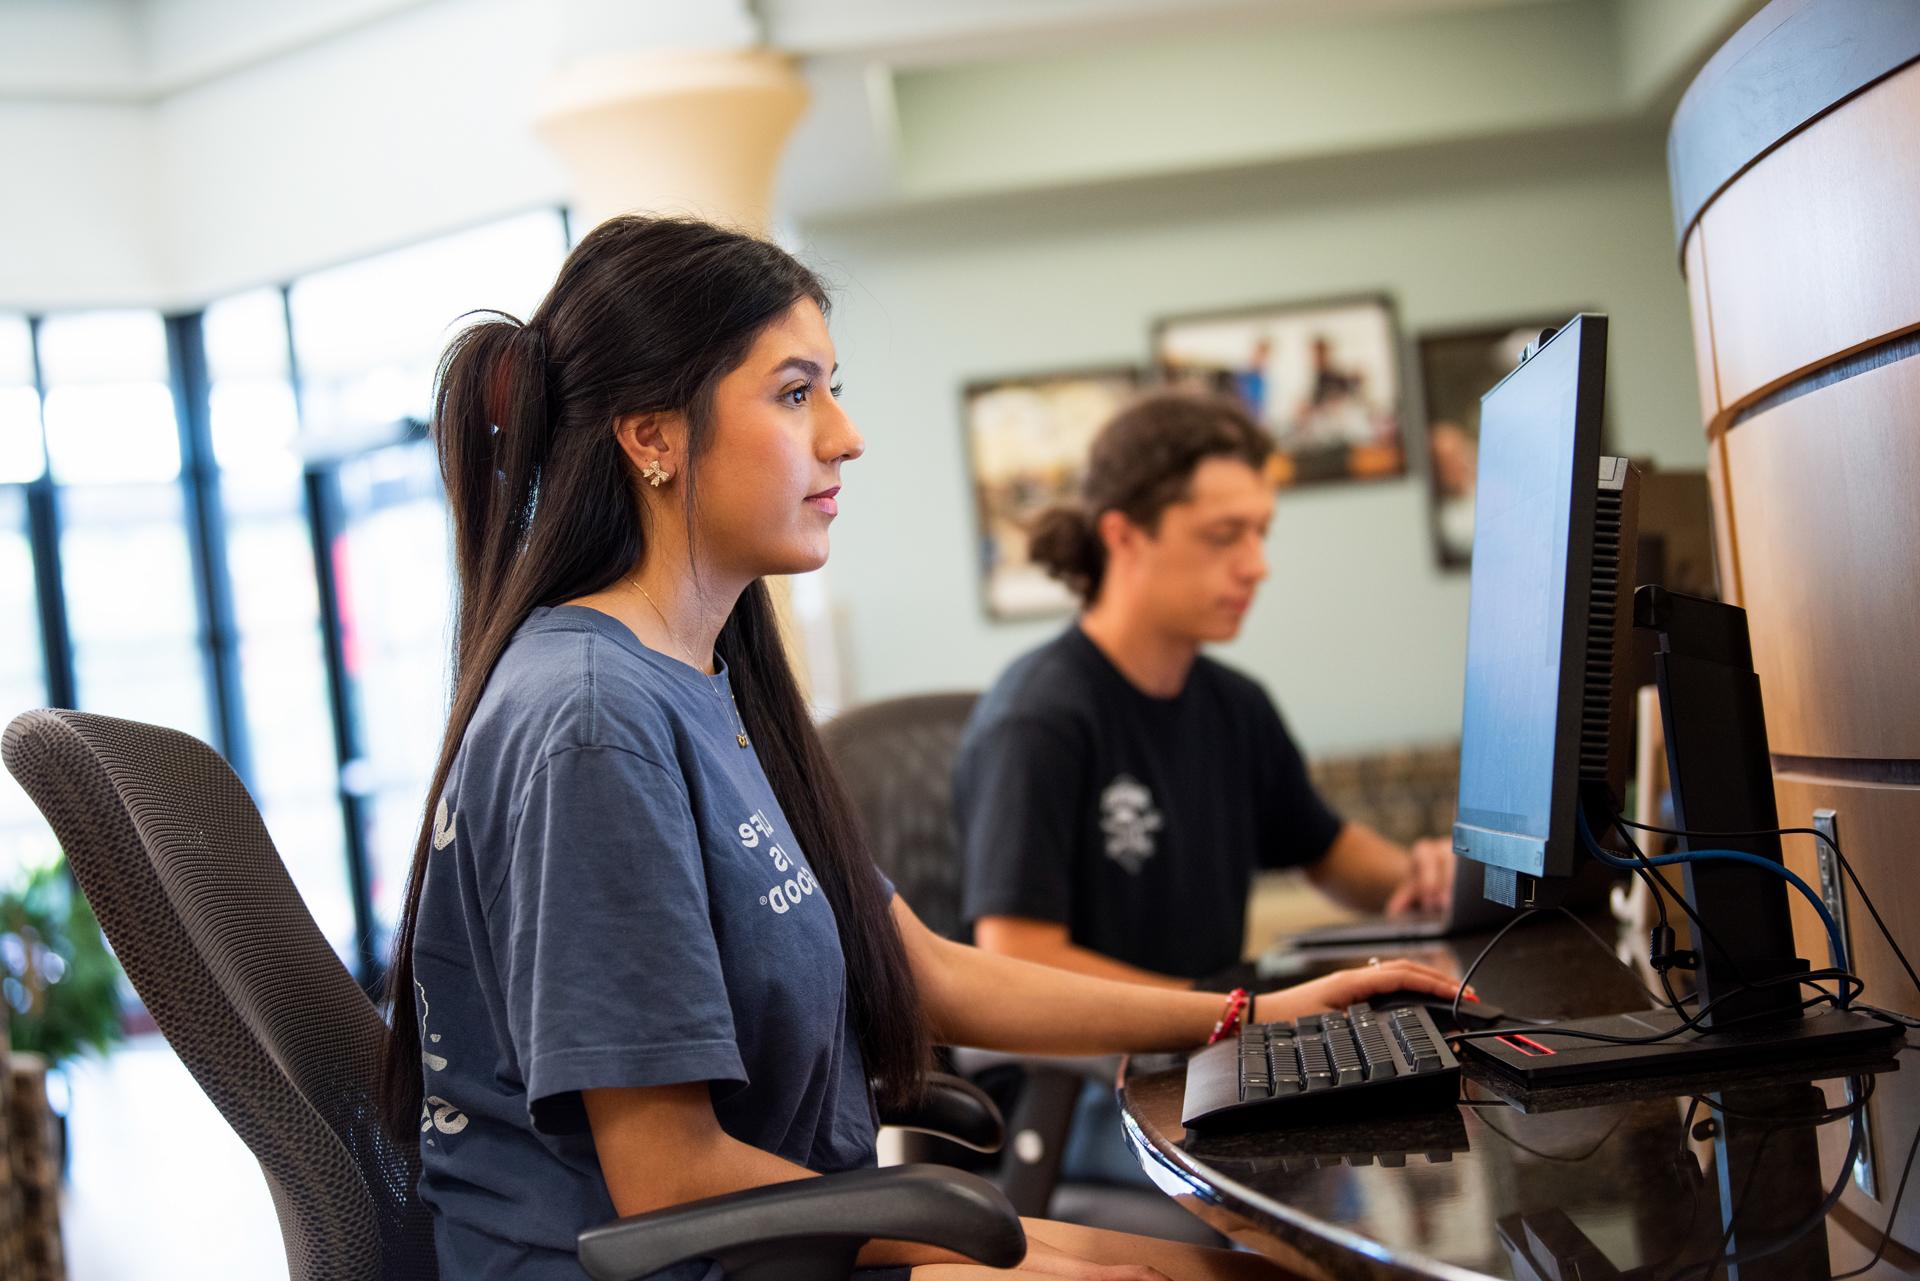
column 1796, row 174
column 696, row 132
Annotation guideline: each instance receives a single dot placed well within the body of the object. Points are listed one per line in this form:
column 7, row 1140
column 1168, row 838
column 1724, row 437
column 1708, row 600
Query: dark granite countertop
column 1590, row 1182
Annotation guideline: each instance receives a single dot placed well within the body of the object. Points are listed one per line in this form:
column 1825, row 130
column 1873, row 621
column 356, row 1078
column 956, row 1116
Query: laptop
column 1470, row 911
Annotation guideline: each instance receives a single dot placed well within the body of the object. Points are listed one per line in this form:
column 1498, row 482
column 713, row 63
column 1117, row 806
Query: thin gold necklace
column 713, row 681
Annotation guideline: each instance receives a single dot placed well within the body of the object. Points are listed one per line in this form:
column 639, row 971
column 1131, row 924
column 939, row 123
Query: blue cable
column 1738, row 856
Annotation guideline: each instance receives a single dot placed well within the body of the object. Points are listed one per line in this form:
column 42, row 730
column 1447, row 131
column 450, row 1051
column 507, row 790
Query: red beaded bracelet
column 1229, row 1023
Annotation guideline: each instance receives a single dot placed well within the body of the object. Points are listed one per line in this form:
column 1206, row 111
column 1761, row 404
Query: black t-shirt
column 1135, row 821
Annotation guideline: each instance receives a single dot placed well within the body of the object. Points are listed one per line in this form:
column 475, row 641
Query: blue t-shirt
column 613, row 898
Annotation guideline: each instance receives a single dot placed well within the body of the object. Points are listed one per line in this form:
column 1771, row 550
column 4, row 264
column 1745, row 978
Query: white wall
column 377, row 136
column 1357, row 634
column 382, row 136
column 77, row 235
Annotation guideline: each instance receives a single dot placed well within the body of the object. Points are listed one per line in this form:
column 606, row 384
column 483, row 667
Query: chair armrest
column 954, row 1109
column 1101, row 1069
column 1040, row 1121
column 811, row 1229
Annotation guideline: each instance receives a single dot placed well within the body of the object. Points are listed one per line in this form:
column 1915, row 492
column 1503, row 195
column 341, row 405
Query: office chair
column 896, row 757
column 171, row 853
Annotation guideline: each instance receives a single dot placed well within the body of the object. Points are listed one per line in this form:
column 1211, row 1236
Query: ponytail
column 1141, row 462
column 1065, row 542
column 491, row 431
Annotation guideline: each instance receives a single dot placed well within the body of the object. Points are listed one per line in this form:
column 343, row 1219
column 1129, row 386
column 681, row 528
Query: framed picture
column 1457, row 368
column 1027, row 442
column 1323, row 377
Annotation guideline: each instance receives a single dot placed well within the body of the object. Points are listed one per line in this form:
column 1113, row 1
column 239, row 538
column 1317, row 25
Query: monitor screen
column 1525, row 628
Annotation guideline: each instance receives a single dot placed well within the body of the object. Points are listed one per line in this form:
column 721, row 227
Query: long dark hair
column 647, row 315
column 1141, row 462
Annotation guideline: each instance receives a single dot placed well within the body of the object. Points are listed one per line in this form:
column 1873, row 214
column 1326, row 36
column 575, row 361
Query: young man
column 1116, row 790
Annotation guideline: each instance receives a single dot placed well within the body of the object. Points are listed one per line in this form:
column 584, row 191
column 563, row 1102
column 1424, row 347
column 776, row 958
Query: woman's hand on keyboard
column 1339, row 990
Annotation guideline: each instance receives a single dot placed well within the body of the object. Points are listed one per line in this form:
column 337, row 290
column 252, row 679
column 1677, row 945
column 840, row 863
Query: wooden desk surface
column 1596, row 1177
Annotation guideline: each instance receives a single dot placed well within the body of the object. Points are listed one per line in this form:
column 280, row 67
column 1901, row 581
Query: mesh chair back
column 897, row 760
column 171, row 853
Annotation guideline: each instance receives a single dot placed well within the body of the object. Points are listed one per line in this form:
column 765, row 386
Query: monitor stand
column 1535, row 1058
column 1722, row 781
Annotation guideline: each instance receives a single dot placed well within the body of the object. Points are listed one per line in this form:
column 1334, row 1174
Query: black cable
column 1890, row 1016
column 1662, row 891
column 1692, row 1180
column 1659, row 890
column 1839, row 857
column 1529, row 1148
column 1855, row 1109
column 1671, row 1001
column 1686, row 1122
column 1718, row 1258
column 1688, row 1023
column 1492, row 943
column 1774, row 866
column 1826, row 1116
column 1721, row 1259
column 1893, row 1211
column 1675, row 1006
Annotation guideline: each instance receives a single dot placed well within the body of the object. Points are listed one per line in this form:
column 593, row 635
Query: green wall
column 1357, row 633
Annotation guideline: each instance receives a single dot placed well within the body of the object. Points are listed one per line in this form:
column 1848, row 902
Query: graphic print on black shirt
column 1137, row 822
column 1129, row 819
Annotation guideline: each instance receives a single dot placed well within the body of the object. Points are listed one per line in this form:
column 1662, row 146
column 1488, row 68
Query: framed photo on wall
column 1323, row 377
column 1457, row 368
column 1027, row 441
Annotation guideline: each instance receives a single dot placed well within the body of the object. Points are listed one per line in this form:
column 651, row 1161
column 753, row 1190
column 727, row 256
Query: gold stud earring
column 655, row 474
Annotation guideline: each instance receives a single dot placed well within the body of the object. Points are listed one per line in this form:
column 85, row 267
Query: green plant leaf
column 59, row 983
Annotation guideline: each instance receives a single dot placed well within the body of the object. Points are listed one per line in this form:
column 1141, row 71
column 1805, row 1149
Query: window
column 286, row 705
column 22, row 460
column 25, row 840
column 212, row 618
column 113, row 443
column 109, row 410
column 392, row 565
column 366, row 339
column 367, row 334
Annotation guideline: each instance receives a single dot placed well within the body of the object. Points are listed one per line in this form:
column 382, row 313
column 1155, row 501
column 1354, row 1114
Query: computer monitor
column 1544, row 735
column 1547, row 640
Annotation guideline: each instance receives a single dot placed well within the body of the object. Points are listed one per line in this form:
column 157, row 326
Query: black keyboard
column 1396, row 1138
column 1305, row 1069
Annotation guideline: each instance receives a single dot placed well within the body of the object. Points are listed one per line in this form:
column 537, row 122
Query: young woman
column 644, row 958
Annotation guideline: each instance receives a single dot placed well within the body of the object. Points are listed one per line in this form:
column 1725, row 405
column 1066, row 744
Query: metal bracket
column 1833, row 892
